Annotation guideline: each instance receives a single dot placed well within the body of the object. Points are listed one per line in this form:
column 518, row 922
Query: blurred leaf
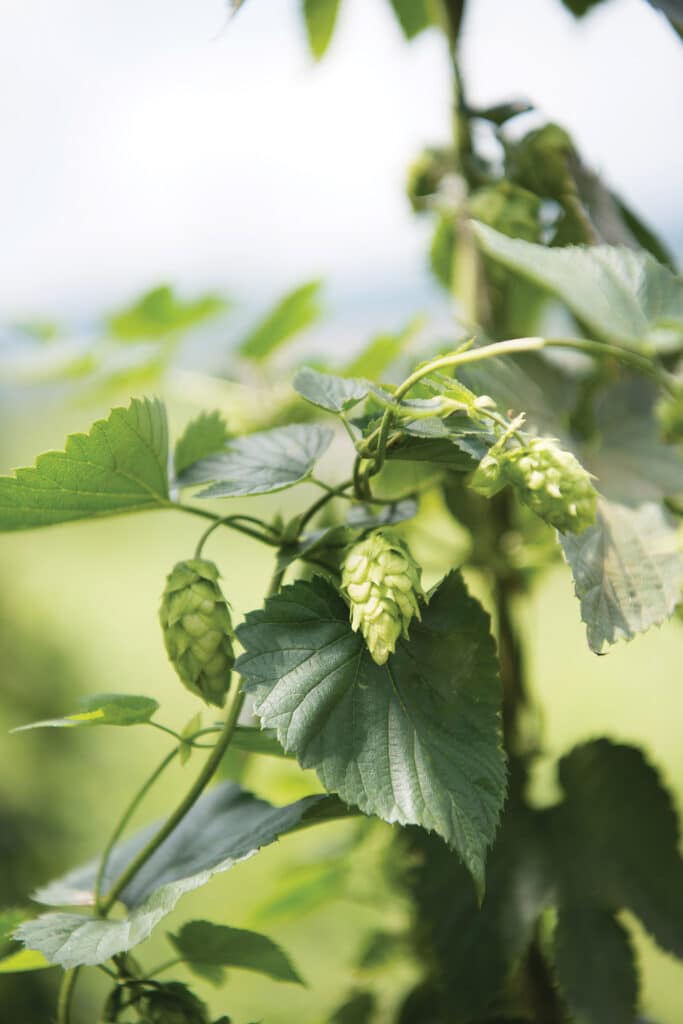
column 261, row 463
column 673, row 10
column 441, row 251
column 595, row 965
column 293, row 313
column 120, row 466
column 502, row 112
column 358, row 1009
column 103, row 709
column 225, row 826
column 415, row 741
column 414, row 15
column 632, row 464
column 381, row 949
column 382, row 351
column 644, row 235
column 320, row 17
column 160, row 312
column 38, row 330
column 627, row 569
column 303, row 889
column 616, row 840
column 23, row 960
column 203, row 436
column 471, row 951
column 336, row 394
column 625, row 297
column 201, row 942
column 581, row 7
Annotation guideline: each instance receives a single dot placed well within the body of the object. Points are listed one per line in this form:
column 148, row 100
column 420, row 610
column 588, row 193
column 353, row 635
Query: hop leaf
column 381, row 581
column 550, row 480
column 197, row 629
column 669, row 413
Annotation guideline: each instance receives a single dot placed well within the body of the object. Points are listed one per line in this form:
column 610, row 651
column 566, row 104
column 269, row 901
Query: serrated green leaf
column 202, row 942
column 261, row 463
column 413, row 15
column 160, row 312
column 225, row 826
column 119, row 466
column 203, row 436
column 623, row 296
column 320, row 17
column 595, row 965
column 415, row 741
column 627, row 569
column 327, row 391
column 295, row 312
column 102, row 709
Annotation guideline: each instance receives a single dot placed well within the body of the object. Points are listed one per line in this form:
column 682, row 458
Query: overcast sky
column 146, row 141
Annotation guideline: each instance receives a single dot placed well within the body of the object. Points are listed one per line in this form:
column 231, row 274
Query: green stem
column 235, row 522
column 330, row 493
column 66, row 993
column 123, row 822
column 233, row 708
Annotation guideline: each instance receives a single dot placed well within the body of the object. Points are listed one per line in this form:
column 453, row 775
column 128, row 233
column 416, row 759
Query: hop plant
column 381, row 580
column 550, row 480
column 197, row 628
column 173, row 1003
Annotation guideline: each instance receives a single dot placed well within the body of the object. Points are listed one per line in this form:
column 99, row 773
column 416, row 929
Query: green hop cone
column 550, row 480
column 381, row 581
column 198, row 633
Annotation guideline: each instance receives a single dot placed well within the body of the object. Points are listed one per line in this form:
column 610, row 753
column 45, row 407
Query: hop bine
column 381, row 581
column 197, row 628
column 550, row 480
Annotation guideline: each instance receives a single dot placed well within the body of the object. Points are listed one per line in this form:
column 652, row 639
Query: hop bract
column 381, row 580
column 550, row 480
column 197, row 629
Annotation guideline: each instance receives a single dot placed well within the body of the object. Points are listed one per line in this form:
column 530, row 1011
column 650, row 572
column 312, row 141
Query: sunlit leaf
column 103, row 709
column 295, row 312
column 320, row 17
column 119, row 466
column 160, row 312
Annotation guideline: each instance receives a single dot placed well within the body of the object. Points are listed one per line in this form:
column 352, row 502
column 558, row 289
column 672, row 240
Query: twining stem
column 330, row 493
column 233, row 707
column 125, row 818
column 266, row 534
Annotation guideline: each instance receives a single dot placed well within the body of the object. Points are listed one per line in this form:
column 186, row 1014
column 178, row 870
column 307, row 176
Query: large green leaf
column 120, row 466
column 203, row 436
column 103, row 709
column 623, row 296
column 215, row 945
column 416, row 741
column 628, row 571
column 327, row 391
column 595, row 965
column 295, row 312
column 225, row 826
column 160, row 312
column 261, row 463
column 320, row 17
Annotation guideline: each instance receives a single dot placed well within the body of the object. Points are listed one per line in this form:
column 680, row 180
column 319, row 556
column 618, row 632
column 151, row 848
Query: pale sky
column 148, row 140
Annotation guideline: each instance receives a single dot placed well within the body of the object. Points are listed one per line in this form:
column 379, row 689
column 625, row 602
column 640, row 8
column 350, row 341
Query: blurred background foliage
column 78, row 603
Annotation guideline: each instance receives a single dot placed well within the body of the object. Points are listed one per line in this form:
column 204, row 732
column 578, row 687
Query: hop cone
column 197, row 628
column 550, row 480
column 382, row 583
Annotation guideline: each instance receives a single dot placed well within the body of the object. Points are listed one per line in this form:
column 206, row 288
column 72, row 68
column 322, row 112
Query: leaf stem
column 235, row 522
column 330, row 493
column 233, row 707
